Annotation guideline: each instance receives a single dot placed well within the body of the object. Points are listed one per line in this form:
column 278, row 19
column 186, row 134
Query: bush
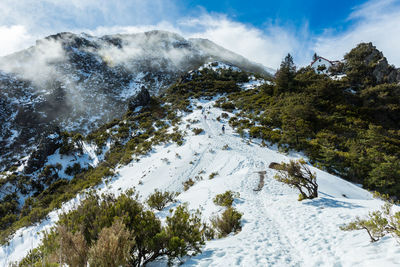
column 113, row 247
column 224, row 115
column 228, row 222
column 212, row 175
column 74, row 169
column 110, row 231
column 197, row 131
column 187, row 184
column 296, row 174
column 74, row 247
column 158, row 200
column 185, row 233
column 378, row 224
column 225, row 199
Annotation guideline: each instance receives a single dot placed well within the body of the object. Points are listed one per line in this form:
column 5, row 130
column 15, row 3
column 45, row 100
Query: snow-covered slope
column 277, row 229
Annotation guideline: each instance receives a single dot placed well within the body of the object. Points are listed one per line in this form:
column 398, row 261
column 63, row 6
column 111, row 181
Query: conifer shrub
column 113, row 247
column 225, row 147
column 197, row 131
column 212, row 175
column 187, row 184
column 228, row 106
column 224, row 115
column 73, row 247
column 158, row 200
column 225, row 199
column 296, row 174
column 74, row 169
column 378, row 223
column 185, row 233
column 118, row 231
column 228, row 222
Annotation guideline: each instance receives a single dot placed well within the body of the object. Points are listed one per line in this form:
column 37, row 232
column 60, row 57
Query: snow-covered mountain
column 76, row 114
column 76, row 82
column 277, row 229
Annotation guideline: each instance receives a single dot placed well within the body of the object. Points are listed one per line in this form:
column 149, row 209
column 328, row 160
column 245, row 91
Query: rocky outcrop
column 140, row 100
column 369, row 66
column 383, row 72
column 48, row 144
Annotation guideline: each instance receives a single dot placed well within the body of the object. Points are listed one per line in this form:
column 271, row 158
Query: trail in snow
column 277, row 229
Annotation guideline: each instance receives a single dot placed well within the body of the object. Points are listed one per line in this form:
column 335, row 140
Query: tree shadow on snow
column 323, row 202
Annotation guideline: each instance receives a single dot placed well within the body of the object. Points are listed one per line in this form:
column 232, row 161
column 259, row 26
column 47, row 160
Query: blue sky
column 318, row 14
column 263, row 31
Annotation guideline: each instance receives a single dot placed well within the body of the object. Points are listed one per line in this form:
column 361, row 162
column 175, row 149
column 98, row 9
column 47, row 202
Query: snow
column 89, row 157
column 277, row 229
column 217, row 65
column 253, row 83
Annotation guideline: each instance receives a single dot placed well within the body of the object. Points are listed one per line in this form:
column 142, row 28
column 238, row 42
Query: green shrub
column 378, row 223
column 296, row 174
column 74, row 169
column 185, row 233
column 212, row 175
column 228, row 222
column 197, row 131
column 113, row 247
column 110, row 231
column 187, row 184
column 225, row 199
column 158, row 200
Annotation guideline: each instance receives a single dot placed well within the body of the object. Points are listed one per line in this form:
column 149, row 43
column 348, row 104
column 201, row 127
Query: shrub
column 228, row 222
column 113, row 247
column 225, row 147
column 378, row 223
column 110, row 231
column 158, row 200
column 197, row 131
column 74, row 169
column 185, row 233
column 212, row 175
column 229, row 106
column 74, row 247
column 225, row 199
column 224, row 115
column 296, row 174
column 187, row 184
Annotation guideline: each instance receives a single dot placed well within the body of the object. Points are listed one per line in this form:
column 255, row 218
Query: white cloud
column 377, row 22
column 14, row 38
column 267, row 47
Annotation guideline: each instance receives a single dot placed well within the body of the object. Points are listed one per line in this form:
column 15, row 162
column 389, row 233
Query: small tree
column 184, row 232
column 378, row 224
column 284, row 77
column 158, row 200
column 296, row 174
column 228, row 222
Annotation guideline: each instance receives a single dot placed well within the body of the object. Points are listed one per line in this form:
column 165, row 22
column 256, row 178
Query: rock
column 47, row 146
column 140, row 100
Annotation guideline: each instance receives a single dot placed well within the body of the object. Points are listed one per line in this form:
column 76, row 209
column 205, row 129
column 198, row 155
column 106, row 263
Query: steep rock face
column 368, row 60
column 76, row 82
column 140, row 100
